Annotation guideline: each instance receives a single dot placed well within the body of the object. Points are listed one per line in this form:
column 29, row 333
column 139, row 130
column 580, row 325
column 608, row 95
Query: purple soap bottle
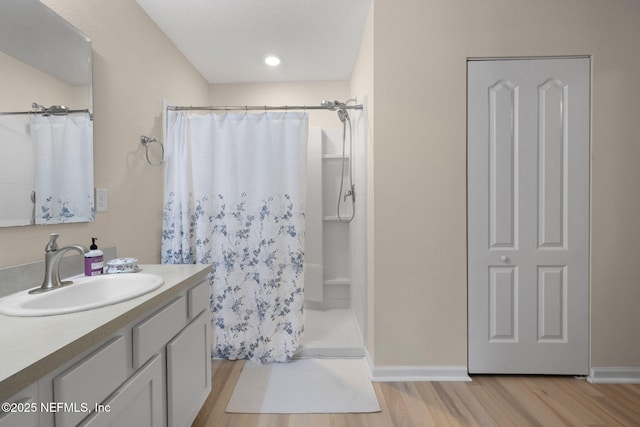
column 93, row 260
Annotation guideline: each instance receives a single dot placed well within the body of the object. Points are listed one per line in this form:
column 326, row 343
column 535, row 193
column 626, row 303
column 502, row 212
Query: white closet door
column 528, row 216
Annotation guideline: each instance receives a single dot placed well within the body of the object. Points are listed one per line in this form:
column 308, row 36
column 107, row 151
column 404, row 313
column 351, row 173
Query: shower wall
column 336, row 253
column 327, row 280
column 358, row 242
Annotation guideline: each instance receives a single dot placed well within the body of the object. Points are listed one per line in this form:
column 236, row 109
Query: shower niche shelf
column 335, row 156
column 331, row 288
column 335, row 234
column 331, row 218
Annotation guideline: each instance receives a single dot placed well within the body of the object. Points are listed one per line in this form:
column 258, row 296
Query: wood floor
column 486, row 401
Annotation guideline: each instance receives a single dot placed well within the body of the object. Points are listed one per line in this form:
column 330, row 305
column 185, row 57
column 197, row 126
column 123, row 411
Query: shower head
column 58, row 110
column 333, row 105
column 337, row 106
column 330, row 105
column 343, row 115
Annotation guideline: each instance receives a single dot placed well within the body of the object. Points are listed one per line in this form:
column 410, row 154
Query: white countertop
column 31, row 347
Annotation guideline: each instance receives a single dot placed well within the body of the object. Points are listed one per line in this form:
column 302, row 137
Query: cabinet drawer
column 90, row 381
column 156, row 331
column 199, row 299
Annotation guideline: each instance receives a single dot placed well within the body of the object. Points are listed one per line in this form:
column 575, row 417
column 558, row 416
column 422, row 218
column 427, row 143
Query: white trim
column 415, row 373
column 419, row 373
column 614, row 375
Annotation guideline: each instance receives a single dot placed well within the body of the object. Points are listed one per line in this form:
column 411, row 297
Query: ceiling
column 228, row 40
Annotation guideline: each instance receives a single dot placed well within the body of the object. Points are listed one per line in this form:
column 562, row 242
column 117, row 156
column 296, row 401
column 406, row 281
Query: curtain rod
column 48, row 113
column 331, row 107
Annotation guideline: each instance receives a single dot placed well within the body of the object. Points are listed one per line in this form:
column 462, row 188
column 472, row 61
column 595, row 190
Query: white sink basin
column 84, row 294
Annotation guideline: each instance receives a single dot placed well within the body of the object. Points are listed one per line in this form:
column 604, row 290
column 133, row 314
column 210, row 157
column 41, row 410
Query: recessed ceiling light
column 272, row 60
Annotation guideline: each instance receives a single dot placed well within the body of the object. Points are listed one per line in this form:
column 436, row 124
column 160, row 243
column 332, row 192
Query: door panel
column 528, row 216
column 552, row 304
column 503, row 307
column 503, row 100
column 552, row 146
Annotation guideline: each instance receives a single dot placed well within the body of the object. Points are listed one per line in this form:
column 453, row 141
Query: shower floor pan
column 330, row 333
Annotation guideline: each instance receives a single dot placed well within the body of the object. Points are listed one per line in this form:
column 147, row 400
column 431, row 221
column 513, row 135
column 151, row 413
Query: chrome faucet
column 52, row 257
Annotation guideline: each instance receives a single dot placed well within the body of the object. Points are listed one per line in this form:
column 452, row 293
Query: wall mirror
column 46, row 113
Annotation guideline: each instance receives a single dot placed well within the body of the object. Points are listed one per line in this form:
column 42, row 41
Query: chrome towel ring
column 146, row 141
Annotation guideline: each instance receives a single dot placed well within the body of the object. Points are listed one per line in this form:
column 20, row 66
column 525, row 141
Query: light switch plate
column 102, row 199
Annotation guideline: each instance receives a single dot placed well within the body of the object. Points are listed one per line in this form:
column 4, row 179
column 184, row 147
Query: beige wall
column 135, row 67
column 421, row 49
column 22, row 84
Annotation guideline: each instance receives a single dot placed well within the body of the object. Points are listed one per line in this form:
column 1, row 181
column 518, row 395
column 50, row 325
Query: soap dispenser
column 93, row 260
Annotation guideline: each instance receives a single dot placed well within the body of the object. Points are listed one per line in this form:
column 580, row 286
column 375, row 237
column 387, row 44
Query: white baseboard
column 611, row 375
column 415, row 373
column 615, row 375
column 419, row 373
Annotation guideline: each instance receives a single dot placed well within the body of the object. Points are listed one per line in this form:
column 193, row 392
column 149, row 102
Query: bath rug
column 304, row 386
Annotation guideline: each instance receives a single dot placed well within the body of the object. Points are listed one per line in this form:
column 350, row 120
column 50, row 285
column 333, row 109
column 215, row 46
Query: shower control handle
column 350, row 193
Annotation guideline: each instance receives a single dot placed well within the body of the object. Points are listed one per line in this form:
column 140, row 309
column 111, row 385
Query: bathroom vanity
column 145, row 361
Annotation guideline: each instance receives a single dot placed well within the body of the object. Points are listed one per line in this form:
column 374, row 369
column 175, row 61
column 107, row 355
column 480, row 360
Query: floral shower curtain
column 63, row 158
column 234, row 198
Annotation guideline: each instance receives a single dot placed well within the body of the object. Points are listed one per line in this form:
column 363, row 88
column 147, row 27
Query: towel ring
column 146, row 141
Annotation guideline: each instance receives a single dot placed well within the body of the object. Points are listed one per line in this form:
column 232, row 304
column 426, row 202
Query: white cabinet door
column 528, row 216
column 139, row 402
column 189, row 371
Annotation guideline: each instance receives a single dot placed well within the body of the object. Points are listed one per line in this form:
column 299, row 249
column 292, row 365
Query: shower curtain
column 63, row 168
column 234, row 198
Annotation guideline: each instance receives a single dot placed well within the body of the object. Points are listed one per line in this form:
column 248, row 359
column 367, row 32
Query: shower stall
column 335, row 217
column 336, row 246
